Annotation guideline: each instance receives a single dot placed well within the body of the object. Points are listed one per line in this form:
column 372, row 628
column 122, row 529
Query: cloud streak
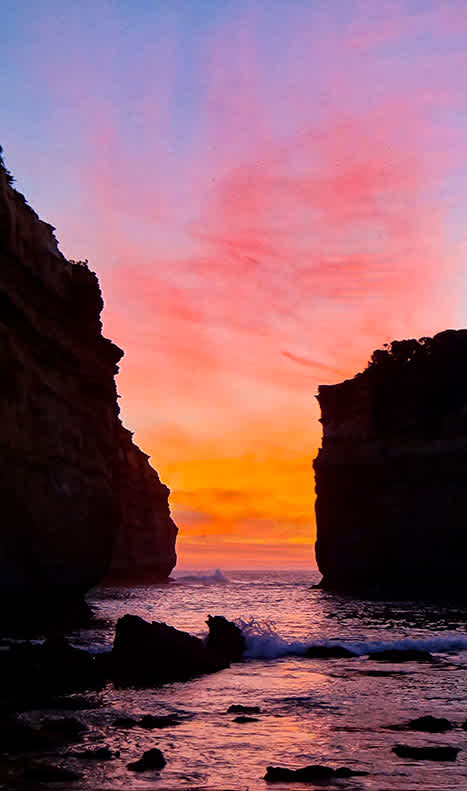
column 292, row 199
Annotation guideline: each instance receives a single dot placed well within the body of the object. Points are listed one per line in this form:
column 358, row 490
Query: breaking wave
column 263, row 642
column 204, row 579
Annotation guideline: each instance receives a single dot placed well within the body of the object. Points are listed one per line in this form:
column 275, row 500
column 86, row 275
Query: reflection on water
column 336, row 712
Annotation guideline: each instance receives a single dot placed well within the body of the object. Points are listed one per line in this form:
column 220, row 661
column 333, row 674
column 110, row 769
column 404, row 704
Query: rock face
column 144, row 548
column 391, row 503
column 68, row 469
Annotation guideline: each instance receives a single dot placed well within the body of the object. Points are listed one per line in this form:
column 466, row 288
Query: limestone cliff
column 145, row 542
column 391, row 475
column 60, row 472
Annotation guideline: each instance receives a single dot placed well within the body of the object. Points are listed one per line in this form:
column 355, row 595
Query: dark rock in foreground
column 39, row 672
column 430, row 724
column 156, row 653
column 64, row 729
column 48, row 773
column 329, row 652
column 17, row 736
column 98, row 754
column 401, row 655
column 151, row 759
column 391, row 502
column 443, row 753
column 225, row 638
column 308, row 774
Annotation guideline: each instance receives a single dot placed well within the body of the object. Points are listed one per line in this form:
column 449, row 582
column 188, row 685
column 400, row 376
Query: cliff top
column 410, row 387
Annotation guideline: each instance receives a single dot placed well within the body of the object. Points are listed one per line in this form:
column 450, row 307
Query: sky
column 268, row 191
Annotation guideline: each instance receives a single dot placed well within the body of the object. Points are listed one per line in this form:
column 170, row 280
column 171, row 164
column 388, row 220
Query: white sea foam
column 263, row 642
column 204, row 579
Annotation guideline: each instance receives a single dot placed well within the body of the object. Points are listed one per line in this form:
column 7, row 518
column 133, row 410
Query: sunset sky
column 268, row 191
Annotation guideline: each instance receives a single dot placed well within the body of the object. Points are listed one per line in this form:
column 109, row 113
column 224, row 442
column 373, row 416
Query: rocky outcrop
column 156, row 653
column 391, row 502
column 63, row 452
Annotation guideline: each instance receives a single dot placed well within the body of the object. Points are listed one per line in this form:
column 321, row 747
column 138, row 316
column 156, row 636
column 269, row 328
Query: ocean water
column 336, row 712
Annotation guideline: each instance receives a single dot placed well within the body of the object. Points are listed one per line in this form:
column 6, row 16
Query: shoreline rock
column 156, row 653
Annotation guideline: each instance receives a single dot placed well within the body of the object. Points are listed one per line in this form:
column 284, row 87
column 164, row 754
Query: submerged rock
column 429, row 724
column 152, row 721
column 401, row 655
column 151, row 759
column 243, row 719
column 308, row 774
column 390, row 476
column 238, row 708
column 329, row 652
column 430, row 753
column 125, row 722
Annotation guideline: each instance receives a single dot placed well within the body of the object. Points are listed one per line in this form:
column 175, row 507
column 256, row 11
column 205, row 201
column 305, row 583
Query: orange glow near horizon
column 301, row 205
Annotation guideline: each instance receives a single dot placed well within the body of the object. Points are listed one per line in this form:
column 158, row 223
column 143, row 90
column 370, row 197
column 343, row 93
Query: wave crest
column 264, row 642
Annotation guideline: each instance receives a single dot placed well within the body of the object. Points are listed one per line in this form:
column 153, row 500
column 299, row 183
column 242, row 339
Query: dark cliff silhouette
column 391, row 474
column 73, row 485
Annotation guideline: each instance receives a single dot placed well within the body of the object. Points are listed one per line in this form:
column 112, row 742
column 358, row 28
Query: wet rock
column 430, row 724
column 329, row 652
column 151, row 721
column 48, row 773
column 238, row 708
column 41, row 671
column 242, row 719
column 151, row 759
column 18, row 736
column 156, row 653
column 225, row 638
column 124, row 722
column 69, row 703
column 429, row 753
column 308, row 774
column 401, row 655
column 98, row 754
column 64, row 728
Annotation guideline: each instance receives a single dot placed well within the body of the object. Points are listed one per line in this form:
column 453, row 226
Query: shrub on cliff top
column 10, row 179
column 401, row 352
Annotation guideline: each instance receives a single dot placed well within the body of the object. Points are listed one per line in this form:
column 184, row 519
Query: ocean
column 337, row 712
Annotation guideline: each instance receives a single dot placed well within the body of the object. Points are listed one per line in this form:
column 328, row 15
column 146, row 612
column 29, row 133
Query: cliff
column 144, row 548
column 62, row 474
column 391, row 504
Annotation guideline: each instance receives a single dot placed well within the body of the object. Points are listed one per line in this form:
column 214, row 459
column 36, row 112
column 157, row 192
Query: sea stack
column 391, row 474
column 67, row 466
